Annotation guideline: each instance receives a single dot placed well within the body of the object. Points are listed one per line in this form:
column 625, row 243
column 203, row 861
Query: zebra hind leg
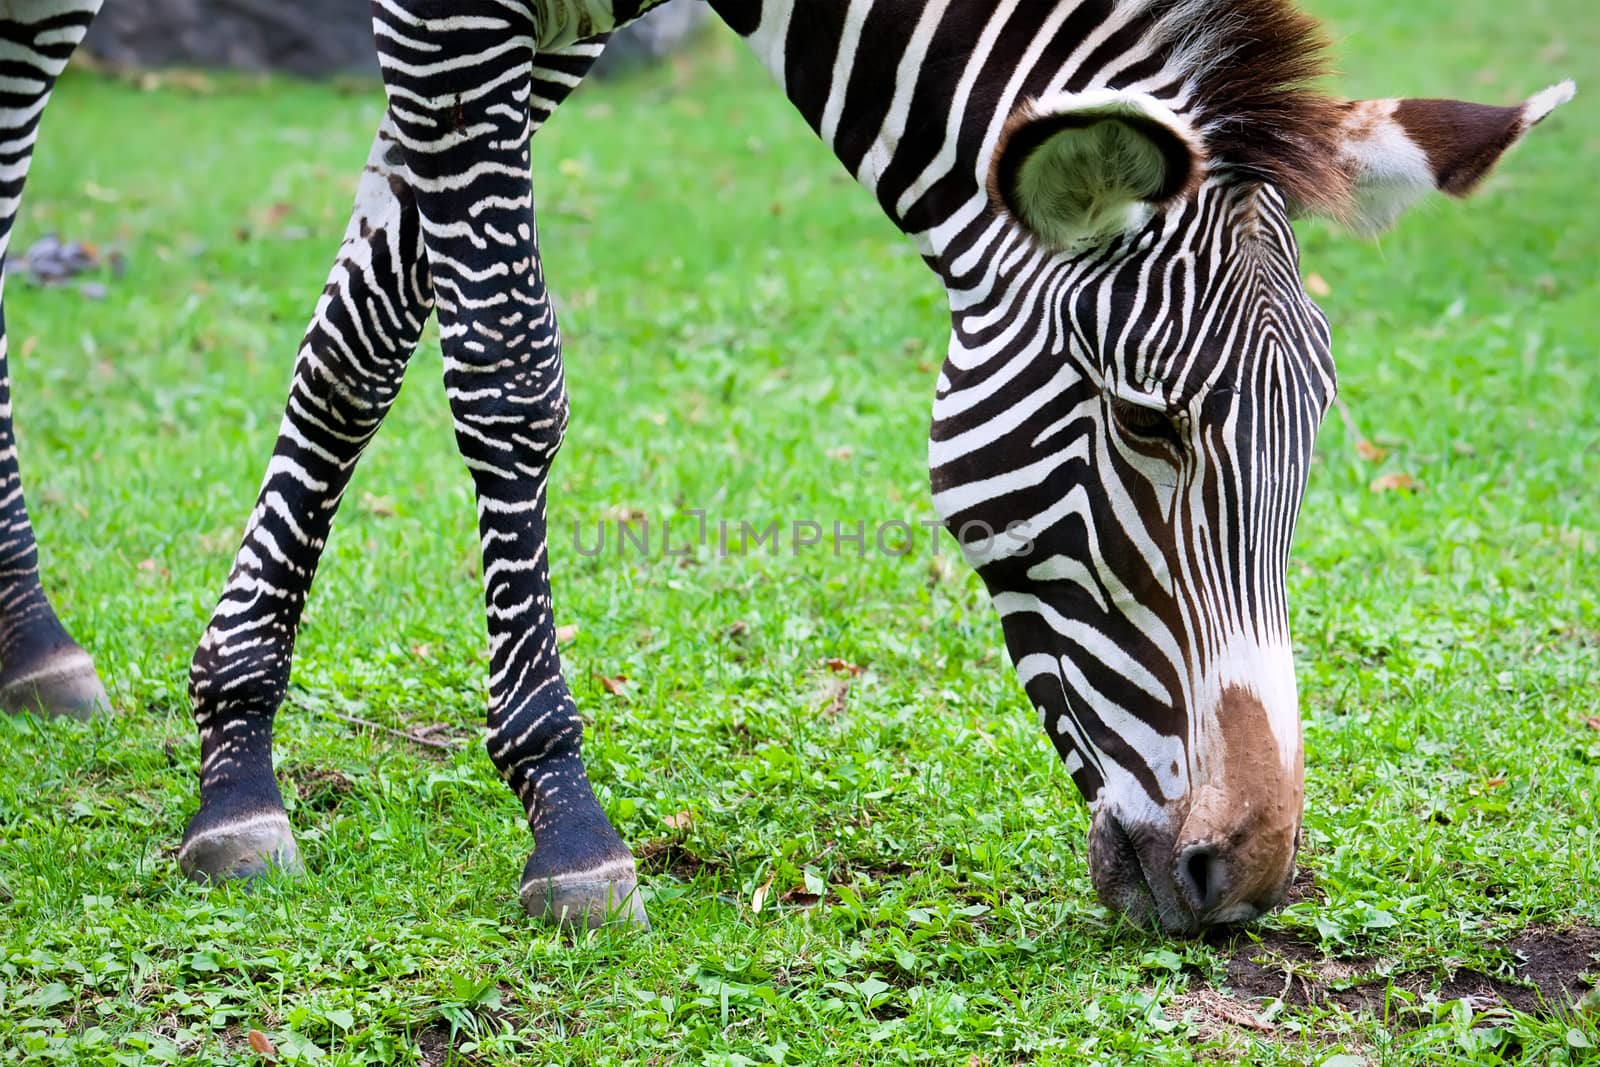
column 41, row 668
column 346, row 377
column 467, row 123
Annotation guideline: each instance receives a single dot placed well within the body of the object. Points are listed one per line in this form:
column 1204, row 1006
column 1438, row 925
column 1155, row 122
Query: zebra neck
column 881, row 82
column 912, row 94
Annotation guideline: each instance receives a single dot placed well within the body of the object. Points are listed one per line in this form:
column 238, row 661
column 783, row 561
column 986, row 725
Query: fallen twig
column 418, row 738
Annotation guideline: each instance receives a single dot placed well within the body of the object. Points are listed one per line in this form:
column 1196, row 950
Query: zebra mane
column 1249, row 68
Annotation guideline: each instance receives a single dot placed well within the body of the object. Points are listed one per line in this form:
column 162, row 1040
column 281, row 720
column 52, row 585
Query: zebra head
column 1122, row 438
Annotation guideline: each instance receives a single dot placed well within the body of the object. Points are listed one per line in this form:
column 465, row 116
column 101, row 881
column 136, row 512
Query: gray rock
column 311, row 37
column 51, row 261
column 652, row 38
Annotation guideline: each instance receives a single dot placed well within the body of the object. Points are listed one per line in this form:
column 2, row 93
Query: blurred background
column 312, row 37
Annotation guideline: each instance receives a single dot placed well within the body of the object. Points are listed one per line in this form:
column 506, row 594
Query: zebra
column 41, row 667
column 1121, row 432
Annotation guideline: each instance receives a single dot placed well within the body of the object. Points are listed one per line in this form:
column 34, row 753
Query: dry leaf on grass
column 759, row 898
column 1389, row 483
column 1318, row 286
column 565, row 635
column 1593, row 722
column 679, row 821
column 262, row 1044
column 615, row 685
column 840, row 666
column 1371, row 452
column 801, row 897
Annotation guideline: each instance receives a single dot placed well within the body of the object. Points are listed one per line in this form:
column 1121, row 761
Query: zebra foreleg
column 41, row 668
column 461, row 97
column 347, row 375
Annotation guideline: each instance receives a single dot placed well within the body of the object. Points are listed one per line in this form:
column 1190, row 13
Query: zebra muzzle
column 1180, row 887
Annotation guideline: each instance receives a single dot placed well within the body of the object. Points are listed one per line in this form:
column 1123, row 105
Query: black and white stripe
column 41, row 668
column 1154, row 579
column 1122, row 431
column 1121, row 434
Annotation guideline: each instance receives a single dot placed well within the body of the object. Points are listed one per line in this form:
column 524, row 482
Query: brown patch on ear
column 1254, row 807
column 1462, row 141
column 1363, row 118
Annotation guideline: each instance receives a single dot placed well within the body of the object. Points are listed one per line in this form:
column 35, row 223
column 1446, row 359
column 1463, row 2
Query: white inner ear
column 1392, row 173
column 1090, row 182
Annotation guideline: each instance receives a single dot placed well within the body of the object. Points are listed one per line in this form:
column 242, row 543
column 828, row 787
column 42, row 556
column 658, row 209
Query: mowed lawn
column 841, row 868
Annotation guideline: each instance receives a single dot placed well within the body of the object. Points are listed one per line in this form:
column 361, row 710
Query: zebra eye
column 1150, row 424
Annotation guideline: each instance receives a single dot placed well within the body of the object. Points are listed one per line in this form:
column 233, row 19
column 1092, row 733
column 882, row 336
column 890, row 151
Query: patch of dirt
column 663, row 855
column 1558, row 960
column 1229, row 1027
column 1304, row 886
column 433, row 1045
column 319, row 788
column 436, row 1048
column 1543, row 975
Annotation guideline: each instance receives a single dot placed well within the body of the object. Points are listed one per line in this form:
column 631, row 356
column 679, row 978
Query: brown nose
column 1226, row 853
column 1184, row 888
column 1215, row 886
column 1234, row 856
column 1235, row 850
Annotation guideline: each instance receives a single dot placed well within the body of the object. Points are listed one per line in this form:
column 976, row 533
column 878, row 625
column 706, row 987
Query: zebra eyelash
column 1147, row 424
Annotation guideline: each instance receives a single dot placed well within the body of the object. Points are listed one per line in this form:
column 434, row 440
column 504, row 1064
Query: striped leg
column 459, row 84
column 41, row 668
column 347, row 375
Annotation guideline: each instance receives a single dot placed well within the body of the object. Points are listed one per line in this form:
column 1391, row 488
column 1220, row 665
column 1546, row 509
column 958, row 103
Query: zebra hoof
column 241, row 850
column 602, row 896
column 63, row 684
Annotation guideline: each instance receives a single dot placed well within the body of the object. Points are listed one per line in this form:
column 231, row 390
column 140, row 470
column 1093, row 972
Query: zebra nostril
column 1200, row 877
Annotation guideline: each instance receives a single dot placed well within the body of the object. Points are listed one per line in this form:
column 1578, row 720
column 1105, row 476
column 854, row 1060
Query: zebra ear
column 1077, row 167
column 1398, row 151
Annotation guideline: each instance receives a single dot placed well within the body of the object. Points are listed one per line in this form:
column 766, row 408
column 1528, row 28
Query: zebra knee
column 509, row 423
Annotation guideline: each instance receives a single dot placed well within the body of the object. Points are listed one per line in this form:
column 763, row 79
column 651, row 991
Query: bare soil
column 1545, row 971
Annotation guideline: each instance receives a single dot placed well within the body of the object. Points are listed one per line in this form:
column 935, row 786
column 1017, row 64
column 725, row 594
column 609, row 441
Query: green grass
column 747, row 335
